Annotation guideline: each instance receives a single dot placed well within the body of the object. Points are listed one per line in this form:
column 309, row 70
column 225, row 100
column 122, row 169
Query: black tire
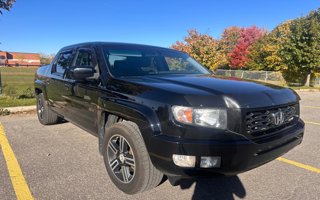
column 142, row 175
column 45, row 115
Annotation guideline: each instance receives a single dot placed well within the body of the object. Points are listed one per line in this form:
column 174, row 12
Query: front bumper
column 237, row 155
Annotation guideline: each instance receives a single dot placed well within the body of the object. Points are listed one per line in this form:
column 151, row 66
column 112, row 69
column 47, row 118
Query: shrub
column 295, row 77
column 28, row 93
column 4, row 112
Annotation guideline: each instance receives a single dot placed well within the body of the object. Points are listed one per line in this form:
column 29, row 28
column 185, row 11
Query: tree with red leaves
column 239, row 55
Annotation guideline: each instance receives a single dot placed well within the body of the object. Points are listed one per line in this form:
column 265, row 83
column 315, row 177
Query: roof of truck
column 113, row 44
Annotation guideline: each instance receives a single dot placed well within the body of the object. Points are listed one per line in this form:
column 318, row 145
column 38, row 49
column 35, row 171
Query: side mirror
column 80, row 73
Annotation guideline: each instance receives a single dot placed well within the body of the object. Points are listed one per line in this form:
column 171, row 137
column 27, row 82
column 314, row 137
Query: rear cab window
column 63, row 63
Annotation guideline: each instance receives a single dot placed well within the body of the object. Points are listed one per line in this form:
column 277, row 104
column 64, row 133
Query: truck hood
column 211, row 90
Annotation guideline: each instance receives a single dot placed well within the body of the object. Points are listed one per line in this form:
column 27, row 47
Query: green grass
column 21, row 76
column 16, row 81
column 19, row 69
column 13, row 102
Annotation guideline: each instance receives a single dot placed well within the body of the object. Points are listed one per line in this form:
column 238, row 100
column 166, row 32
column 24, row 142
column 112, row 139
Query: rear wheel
column 45, row 115
column 127, row 161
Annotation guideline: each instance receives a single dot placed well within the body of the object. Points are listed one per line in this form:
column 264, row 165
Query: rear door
column 59, row 89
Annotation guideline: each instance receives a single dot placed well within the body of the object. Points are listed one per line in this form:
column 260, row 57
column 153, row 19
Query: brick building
column 19, row 59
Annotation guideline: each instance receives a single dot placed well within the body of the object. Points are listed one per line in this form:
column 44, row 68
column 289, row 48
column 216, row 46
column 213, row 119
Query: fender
column 40, row 79
column 40, row 85
column 143, row 116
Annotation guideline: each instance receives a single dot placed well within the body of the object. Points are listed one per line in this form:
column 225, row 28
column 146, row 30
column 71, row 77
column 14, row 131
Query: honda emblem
column 278, row 118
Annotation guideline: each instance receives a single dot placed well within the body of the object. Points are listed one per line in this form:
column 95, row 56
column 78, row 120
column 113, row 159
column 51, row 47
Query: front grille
column 265, row 121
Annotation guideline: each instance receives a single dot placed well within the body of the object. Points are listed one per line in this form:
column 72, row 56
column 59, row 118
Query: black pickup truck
column 156, row 112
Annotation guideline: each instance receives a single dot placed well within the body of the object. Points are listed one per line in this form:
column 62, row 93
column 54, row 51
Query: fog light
column 184, row 161
column 210, row 162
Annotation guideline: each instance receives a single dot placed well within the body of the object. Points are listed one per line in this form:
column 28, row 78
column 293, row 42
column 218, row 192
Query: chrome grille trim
column 262, row 121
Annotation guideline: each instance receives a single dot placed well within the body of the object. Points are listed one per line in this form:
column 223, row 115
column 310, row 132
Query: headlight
column 216, row 118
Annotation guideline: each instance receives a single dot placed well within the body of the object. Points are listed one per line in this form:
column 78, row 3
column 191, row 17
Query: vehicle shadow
column 219, row 187
column 61, row 121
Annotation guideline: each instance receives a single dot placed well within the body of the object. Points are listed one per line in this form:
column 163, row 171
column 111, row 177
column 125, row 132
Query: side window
column 64, row 61
column 84, row 58
column 177, row 64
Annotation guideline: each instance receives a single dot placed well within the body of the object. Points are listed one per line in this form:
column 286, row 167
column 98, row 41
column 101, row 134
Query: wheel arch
column 111, row 112
column 39, row 87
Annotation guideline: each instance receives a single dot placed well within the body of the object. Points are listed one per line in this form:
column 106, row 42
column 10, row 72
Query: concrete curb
column 21, row 109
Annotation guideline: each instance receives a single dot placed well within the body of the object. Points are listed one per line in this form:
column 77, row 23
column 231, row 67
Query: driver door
column 85, row 97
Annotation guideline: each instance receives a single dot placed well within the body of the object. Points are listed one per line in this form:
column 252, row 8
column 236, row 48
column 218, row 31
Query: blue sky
column 46, row 26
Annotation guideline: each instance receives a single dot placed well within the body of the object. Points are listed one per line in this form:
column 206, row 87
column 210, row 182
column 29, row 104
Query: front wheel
column 127, row 161
column 45, row 115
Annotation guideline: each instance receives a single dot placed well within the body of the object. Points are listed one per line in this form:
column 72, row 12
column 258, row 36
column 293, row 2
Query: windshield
column 143, row 62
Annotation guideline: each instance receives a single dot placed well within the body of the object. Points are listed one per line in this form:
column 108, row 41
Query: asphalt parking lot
column 62, row 162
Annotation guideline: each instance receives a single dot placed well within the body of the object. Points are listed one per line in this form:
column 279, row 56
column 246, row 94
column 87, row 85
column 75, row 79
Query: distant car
column 156, row 112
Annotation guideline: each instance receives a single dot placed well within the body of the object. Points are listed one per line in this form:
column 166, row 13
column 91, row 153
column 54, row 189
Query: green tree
column 301, row 52
column 264, row 53
column 6, row 5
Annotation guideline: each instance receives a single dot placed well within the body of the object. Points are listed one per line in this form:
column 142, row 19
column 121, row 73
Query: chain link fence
column 267, row 76
column 17, row 82
column 264, row 76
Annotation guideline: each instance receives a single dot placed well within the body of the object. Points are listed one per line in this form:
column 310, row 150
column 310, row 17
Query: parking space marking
column 313, row 123
column 300, row 165
column 17, row 179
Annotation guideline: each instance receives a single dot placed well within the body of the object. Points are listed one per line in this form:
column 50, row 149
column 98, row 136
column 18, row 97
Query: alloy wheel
column 121, row 158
